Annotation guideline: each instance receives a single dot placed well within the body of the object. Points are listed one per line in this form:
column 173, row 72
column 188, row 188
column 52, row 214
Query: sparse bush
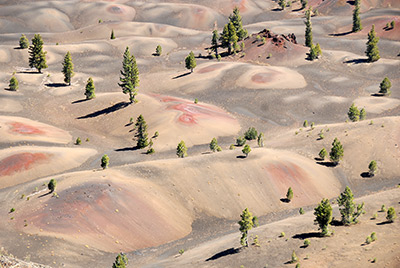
column 391, row 214
column 251, row 134
column 52, row 185
column 196, row 101
column 181, row 251
column 392, row 24
column 181, row 150
column 232, row 147
column 289, row 194
column 78, row 141
column 368, row 240
column 373, row 237
column 321, row 136
column 158, row 50
column 363, row 114
column 150, row 151
column 105, row 160
column 282, row 234
column 312, row 125
column 260, row 139
column 322, row 154
column 12, row 210
column 298, row 265
column 384, row 86
column 121, row 261
column 294, row 258
column 13, row 83
column 255, row 241
column 307, row 242
column 373, row 260
column 240, row 141
column 383, row 208
column 100, row 20
column 372, row 168
column 374, row 216
column 246, row 150
column 305, row 123
column 301, row 211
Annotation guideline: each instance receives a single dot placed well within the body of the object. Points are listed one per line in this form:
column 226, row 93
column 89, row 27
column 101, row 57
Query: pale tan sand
column 376, row 105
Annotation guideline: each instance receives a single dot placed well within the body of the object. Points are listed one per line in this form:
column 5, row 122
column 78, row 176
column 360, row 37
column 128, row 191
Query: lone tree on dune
column 214, row 42
column 391, row 214
column 323, row 153
column 236, row 20
column 121, row 261
column 129, row 75
column 372, row 167
column 354, row 113
column 89, row 90
column 309, row 35
column 214, row 145
column 181, row 150
column 260, row 139
column 158, row 50
column 23, row 42
column 247, row 222
column 141, row 134
column 372, row 51
column 112, row 35
column 336, row 153
column 52, row 185
column 68, row 68
column 14, row 85
column 246, row 150
column 37, row 57
column 356, row 17
column 323, row 216
column 363, row 114
column 348, row 209
column 385, row 86
column 289, row 194
column 105, row 160
column 190, row 62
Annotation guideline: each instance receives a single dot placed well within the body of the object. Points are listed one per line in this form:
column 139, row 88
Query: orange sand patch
column 24, row 129
column 21, row 162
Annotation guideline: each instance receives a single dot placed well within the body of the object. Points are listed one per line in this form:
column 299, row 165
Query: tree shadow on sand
column 326, row 164
column 79, row 101
column 241, row 157
column 111, row 109
column 366, row 175
column 229, row 251
column 56, row 85
column 307, row 235
column 134, row 148
column 181, row 75
column 341, row 34
column 357, row 61
column 285, row 200
column 43, row 195
column 384, row 223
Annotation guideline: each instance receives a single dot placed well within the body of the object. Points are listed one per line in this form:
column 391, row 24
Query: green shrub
column 307, row 243
column 301, row 211
column 251, row 134
column 373, row 237
column 282, row 234
column 78, row 141
column 240, row 141
column 12, row 210
column 368, row 240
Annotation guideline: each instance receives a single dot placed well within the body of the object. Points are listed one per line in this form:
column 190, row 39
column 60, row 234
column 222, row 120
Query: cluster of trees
column 355, row 114
column 315, row 50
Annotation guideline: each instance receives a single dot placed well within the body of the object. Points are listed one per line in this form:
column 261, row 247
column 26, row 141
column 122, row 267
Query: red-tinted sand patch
column 210, row 68
column 241, row 4
column 21, row 162
column 24, row 129
column 263, row 78
column 192, row 112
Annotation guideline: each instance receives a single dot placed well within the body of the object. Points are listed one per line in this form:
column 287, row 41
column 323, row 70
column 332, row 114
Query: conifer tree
column 391, row 214
column 372, row 51
column 112, row 35
column 354, row 113
column 246, row 150
column 260, row 139
column 303, row 3
column 121, row 261
column 214, row 145
column 214, row 42
column 89, row 90
column 13, row 83
column 372, row 167
column 229, row 37
column 363, row 114
column 37, row 57
column 236, row 20
column 385, row 86
column 336, row 153
column 52, row 185
column 129, row 75
column 105, row 160
column 349, row 210
column 323, row 216
column 23, row 42
column 181, row 150
column 190, row 62
column 245, row 225
column 308, row 34
column 356, row 17
column 282, row 4
column 68, row 68
column 141, row 132
column 323, row 153
column 158, row 50
column 289, row 194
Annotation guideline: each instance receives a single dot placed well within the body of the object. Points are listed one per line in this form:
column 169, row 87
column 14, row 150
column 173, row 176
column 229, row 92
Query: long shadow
column 241, row 156
column 365, row 175
column 9, row 89
column 326, row 164
column 285, row 200
column 356, row 61
column 43, row 195
column 377, row 95
column 384, row 223
column 318, row 159
column 341, row 34
column 134, row 148
column 351, row 2
column 111, row 109
column 336, row 223
column 276, row 9
column 56, row 85
column 181, row 75
column 299, row 9
column 29, row 72
column 229, row 251
column 79, row 101
column 307, row 235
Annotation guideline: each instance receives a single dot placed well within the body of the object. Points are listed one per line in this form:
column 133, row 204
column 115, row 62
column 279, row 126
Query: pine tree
column 246, row 224
column 89, row 91
column 141, row 132
column 356, row 17
column 391, row 214
column 121, row 261
column 190, row 62
column 246, row 150
column 260, row 139
column 129, row 75
column 323, row 216
column 372, row 51
column 312, row 55
column 37, row 57
column 294, row 258
column 385, row 86
column 229, row 37
column 181, row 150
column 68, row 68
column 336, row 153
column 354, row 113
column 308, row 34
column 304, row 4
column 363, row 114
column 105, row 160
column 214, row 145
column 289, row 194
column 323, row 153
column 52, row 185
column 23, row 42
column 158, row 50
column 13, row 83
column 348, row 209
column 251, row 134
column 373, row 167
column 214, row 41
column 318, row 50
column 282, row 4
column 112, row 35
column 236, row 20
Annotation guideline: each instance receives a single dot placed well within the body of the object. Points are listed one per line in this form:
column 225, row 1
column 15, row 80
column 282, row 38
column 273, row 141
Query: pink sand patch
column 210, row 68
column 262, row 78
column 24, row 129
column 20, row 162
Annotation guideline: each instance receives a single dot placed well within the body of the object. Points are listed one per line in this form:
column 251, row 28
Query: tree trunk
column 191, row 70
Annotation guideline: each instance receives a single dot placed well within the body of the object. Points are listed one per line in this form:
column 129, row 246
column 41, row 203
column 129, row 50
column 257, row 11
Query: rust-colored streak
column 25, row 129
column 20, row 162
column 210, row 68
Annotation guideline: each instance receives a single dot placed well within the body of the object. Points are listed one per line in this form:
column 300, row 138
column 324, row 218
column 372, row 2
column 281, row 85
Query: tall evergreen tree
column 181, row 150
column 356, row 17
column 289, row 194
column 260, row 139
column 214, row 145
column 89, row 90
column 354, row 113
column 349, row 210
column 229, row 37
column 247, row 222
column 336, row 153
column 23, row 42
column 190, row 62
column 121, row 261
column 323, row 216
column 37, row 57
column 129, row 75
column 384, row 86
column 141, row 132
column 112, row 35
column 214, row 42
column 372, row 51
column 52, row 185
column 236, row 20
column 308, row 34
column 68, row 68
